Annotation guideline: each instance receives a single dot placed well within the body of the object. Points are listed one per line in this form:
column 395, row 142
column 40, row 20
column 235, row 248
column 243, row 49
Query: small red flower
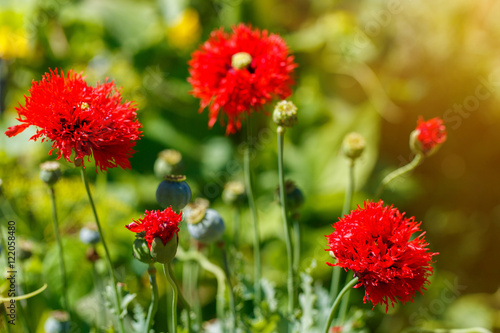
column 430, row 133
column 157, row 223
column 91, row 121
column 374, row 242
column 235, row 73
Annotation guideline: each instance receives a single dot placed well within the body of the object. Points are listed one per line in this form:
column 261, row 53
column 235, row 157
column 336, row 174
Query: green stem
column 336, row 271
column 19, row 304
column 4, row 246
column 183, row 300
column 154, row 297
column 23, row 316
column 3, row 243
column 214, row 269
column 344, row 304
column 230, row 286
column 296, row 254
column 399, row 172
column 172, row 322
column 334, row 286
column 62, row 266
column 106, row 253
column 101, row 316
column 286, row 224
column 6, row 320
column 253, row 211
column 337, row 302
column 350, row 189
column 236, row 226
column 191, row 271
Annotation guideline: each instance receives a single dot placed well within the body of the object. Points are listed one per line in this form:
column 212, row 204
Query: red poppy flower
column 430, row 134
column 235, row 73
column 374, row 242
column 91, row 121
column 157, row 223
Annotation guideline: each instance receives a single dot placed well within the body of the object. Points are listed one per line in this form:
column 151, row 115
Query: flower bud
column 58, row 322
column 50, row 172
column 169, row 162
column 209, row 229
column 164, row 253
column 285, row 114
column 293, row 196
column 141, row 250
column 234, row 193
column 353, row 145
column 241, row 60
column 173, row 191
column 428, row 137
column 89, row 234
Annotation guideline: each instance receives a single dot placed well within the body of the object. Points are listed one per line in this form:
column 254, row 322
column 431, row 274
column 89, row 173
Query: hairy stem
column 62, row 266
column 106, row 254
column 180, row 295
column 230, row 286
column 172, row 315
column 253, row 211
column 286, row 224
column 337, row 302
column 154, row 297
column 398, row 172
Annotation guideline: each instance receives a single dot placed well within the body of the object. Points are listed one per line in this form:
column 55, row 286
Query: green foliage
column 362, row 67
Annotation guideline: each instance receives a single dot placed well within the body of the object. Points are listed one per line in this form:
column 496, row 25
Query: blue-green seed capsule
column 293, row 196
column 50, row 172
column 89, row 235
column 209, row 229
column 173, row 191
column 57, row 323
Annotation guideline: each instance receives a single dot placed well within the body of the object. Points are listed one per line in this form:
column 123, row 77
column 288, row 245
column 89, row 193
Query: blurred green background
column 366, row 66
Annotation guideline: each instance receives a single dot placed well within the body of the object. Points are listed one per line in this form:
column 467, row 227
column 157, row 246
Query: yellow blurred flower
column 13, row 36
column 185, row 30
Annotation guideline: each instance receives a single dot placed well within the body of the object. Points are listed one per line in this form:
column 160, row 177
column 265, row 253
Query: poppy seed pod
column 209, row 229
column 234, row 193
column 50, row 172
column 173, row 191
column 293, row 196
column 89, row 235
column 169, row 162
column 58, row 322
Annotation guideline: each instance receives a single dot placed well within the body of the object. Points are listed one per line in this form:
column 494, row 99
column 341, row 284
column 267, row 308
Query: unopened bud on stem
column 353, row 145
column 285, row 114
